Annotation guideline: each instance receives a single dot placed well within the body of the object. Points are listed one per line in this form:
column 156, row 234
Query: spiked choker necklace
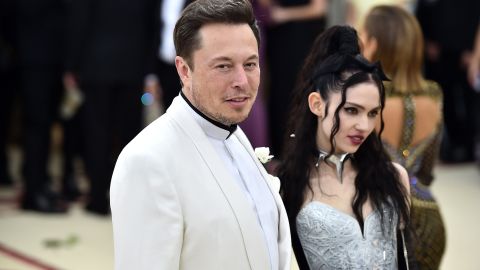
column 337, row 160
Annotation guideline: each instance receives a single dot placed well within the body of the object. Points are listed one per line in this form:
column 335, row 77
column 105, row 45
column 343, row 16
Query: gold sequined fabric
column 429, row 237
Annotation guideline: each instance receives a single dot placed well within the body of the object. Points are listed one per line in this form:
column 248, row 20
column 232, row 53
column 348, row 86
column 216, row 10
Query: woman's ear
column 316, row 104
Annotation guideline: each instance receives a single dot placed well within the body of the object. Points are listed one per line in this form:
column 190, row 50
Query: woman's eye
column 373, row 113
column 351, row 110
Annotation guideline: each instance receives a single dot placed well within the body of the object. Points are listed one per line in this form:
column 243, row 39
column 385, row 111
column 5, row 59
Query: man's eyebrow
column 253, row 57
column 226, row 58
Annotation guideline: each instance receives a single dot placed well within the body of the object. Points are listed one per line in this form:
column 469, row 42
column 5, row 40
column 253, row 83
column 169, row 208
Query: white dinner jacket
column 175, row 206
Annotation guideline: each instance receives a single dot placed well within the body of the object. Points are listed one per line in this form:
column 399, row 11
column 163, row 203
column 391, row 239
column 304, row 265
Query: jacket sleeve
column 146, row 214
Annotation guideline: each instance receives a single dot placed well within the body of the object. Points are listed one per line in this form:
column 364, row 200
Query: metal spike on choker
column 337, row 160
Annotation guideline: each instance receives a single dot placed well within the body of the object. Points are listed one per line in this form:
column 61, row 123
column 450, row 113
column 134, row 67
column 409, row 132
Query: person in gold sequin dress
column 413, row 121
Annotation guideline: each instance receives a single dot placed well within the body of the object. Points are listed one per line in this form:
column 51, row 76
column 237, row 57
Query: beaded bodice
column 332, row 239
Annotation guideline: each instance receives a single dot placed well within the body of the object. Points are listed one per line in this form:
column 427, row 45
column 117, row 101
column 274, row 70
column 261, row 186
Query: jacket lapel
column 251, row 231
column 284, row 240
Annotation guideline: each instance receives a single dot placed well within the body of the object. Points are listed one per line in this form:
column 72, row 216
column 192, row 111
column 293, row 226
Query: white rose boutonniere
column 263, row 154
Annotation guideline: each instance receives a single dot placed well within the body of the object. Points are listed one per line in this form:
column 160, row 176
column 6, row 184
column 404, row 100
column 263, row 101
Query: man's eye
column 251, row 65
column 223, row 66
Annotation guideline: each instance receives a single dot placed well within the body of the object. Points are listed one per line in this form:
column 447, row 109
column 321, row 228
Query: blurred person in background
column 164, row 83
column 291, row 29
column 358, row 9
column 110, row 49
column 474, row 66
column 474, row 80
column 7, row 85
column 72, row 146
column 39, row 36
column 413, row 121
column 338, row 12
column 449, row 27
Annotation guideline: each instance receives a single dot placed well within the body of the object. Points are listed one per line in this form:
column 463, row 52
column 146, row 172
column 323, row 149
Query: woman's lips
column 356, row 139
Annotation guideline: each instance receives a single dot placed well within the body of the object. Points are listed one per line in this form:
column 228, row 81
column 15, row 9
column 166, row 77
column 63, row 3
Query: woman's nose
column 363, row 123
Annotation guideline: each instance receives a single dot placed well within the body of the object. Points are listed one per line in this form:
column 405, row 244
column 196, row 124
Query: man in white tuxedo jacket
column 188, row 192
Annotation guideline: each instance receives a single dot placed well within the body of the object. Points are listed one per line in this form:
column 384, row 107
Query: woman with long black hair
column 344, row 197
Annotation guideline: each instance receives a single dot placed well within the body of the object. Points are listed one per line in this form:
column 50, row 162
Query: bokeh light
column 147, row 99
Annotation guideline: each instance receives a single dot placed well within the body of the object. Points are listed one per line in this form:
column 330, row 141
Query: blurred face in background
column 223, row 80
column 393, row 36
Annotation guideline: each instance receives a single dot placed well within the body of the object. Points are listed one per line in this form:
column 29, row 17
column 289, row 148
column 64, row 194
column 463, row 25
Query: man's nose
column 240, row 77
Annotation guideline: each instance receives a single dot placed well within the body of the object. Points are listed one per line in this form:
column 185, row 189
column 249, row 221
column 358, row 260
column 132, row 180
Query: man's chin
column 234, row 119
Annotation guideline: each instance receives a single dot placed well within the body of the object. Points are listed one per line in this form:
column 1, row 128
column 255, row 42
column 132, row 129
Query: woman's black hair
column 334, row 65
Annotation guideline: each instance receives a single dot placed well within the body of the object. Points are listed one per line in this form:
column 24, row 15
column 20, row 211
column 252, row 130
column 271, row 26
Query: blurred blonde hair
column 399, row 46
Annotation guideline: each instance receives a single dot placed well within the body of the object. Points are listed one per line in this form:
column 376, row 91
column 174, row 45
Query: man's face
column 226, row 74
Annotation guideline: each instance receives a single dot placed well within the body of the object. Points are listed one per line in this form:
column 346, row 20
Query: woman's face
column 358, row 117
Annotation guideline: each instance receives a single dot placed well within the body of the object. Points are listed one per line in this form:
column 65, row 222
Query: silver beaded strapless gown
column 332, row 239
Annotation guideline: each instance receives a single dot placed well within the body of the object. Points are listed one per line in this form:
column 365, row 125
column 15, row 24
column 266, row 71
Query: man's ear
column 316, row 104
column 183, row 70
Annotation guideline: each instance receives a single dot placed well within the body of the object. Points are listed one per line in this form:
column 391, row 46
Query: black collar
column 231, row 129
